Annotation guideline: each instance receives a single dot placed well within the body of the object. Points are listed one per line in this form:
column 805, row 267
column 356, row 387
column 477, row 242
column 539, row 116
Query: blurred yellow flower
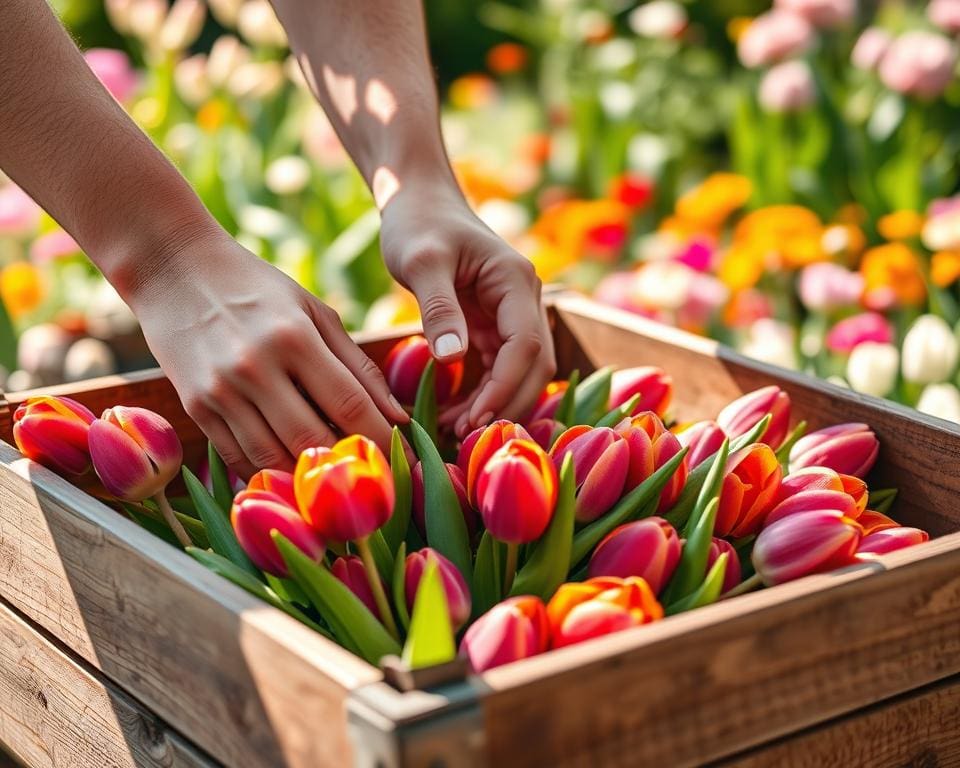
column 549, row 260
column 945, row 268
column 21, row 288
column 399, row 307
column 472, row 92
column 480, row 184
column 737, row 26
column 711, row 203
column 741, row 266
column 892, row 270
column 900, row 225
column 577, row 229
column 787, row 236
column 843, row 240
column 212, row 115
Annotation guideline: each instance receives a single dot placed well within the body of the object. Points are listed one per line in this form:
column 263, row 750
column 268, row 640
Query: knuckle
column 286, row 335
column 352, row 404
column 196, row 408
column 303, row 437
column 370, row 370
column 230, row 455
column 421, row 256
column 327, row 316
column 438, row 308
column 245, row 367
column 218, row 391
column 530, row 344
column 266, row 456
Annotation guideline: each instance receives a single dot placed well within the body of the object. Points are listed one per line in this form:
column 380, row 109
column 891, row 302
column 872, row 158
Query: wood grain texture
column 917, row 729
column 57, row 713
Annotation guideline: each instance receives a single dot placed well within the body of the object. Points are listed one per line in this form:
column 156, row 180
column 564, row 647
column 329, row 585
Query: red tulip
column 454, row 586
column 850, row 449
column 653, row 384
column 274, row 481
column 703, row 439
column 648, row 548
column 459, row 487
column 807, row 501
column 466, row 448
column 733, row 574
column 749, row 488
column 872, row 521
column 809, row 479
column 255, row 514
column 543, row 432
column 512, row 630
column 601, row 459
column 890, row 539
column 548, row 401
column 404, row 367
column 53, row 431
column 351, row 572
column 600, row 606
column 805, row 543
column 743, row 414
column 652, row 446
column 517, row 492
column 487, row 442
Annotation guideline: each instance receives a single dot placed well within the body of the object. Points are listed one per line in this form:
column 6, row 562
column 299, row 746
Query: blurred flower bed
column 778, row 178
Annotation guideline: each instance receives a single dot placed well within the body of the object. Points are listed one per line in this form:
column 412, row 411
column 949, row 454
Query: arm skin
column 366, row 62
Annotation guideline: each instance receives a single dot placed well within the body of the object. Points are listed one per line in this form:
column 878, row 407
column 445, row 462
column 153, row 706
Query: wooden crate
column 116, row 649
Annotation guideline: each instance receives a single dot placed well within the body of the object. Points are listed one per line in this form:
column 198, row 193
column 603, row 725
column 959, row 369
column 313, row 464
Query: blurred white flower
column 648, row 153
column 506, row 218
column 787, row 87
column 181, row 140
column 191, row 81
column 940, row 400
column 929, row 351
column 941, row 232
column 618, row 99
column 182, row 26
column 662, row 284
column 118, row 14
column 287, row 175
column 771, row 341
column 616, row 54
column 260, row 221
column 258, row 25
column 256, row 80
column 872, row 368
column 227, row 54
column 592, row 25
column 658, row 19
column 225, row 11
column 145, row 18
column 87, row 359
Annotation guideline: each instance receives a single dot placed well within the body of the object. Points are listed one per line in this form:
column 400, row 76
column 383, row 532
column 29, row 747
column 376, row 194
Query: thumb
column 443, row 322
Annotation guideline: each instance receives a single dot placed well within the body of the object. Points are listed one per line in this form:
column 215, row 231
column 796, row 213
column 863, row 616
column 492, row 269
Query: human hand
column 472, row 288
column 260, row 364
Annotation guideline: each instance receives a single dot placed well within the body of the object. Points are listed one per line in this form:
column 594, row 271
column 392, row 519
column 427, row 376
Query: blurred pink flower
column 774, row 36
column 870, row 47
column 821, row 13
column 52, row 245
column 616, row 290
column 698, row 254
column 826, row 287
column 945, row 14
column 706, row 295
column 113, row 69
column 867, row 326
column 918, row 63
column 749, row 305
column 787, row 87
column 19, row 214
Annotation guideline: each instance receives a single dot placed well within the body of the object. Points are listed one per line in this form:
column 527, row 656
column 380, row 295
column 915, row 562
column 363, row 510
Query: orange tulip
column 600, row 606
column 480, row 445
column 872, row 521
column 274, row 481
column 749, row 488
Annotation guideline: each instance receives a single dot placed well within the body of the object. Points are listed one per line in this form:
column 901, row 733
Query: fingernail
column 448, row 344
column 485, row 419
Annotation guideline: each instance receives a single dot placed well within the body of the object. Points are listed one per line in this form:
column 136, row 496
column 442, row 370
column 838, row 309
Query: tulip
column 277, row 482
column 872, row 368
column 945, row 14
column 600, row 606
column 548, row 401
column 743, row 414
column 703, row 440
column 352, row 573
column 114, row 71
column 787, row 87
column 823, row 479
column 851, row 331
column 460, row 488
column 821, row 13
column 827, row 287
column 771, row 341
column 870, row 48
column 940, row 400
column 601, row 459
column 514, row 629
column 774, row 36
column 749, row 487
column 654, row 386
column 480, row 445
column 454, row 586
column 256, row 513
column 53, row 431
column 648, row 548
column 543, row 432
column 404, row 368
column 918, row 63
column 806, row 501
column 850, row 449
column 733, row 574
column 652, row 446
column 891, row 539
column 805, row 543
column 659, row 19
column 871, row 522
column 929, row 351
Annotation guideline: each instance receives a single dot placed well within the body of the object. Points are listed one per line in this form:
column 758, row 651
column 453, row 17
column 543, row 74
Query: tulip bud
column 53, row 431
column 512, row 630
column 600, row 606
column 255, row 514
column 274, row 481
column 135, row 452
column 749, row 487
column 848, row 333
column 703, row 439
column 807, row 501
column 345, row 492
column 929, row 351
column 871, row 522
column 466, row 448
column 940, row 400
column 805, row 543
column 890, row 539
column 405, row 365
column 454, row 586
column 517, row 492
column 733, row 574
column 872, row 368
column 850, row 449
column 350, row 571
column 487, row 442
column 743, row 414
column 543, row 432
column 548, row 401
column 808, row 479
column 653, row 384
column 459, row 487
column 652, row 446
column 601, row 459
column 648, row 548
column 787, row 87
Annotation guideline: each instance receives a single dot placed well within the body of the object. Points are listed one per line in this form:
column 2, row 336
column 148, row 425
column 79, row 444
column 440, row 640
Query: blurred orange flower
column 212, row 115
column 480, row 184
column 584, row 229
column 900, row 225
column 21, row 288
column 843, row 240
column 506, row 58
column 711, row 203
column 945, row 268
column 788, row 236
column 892, row 275
column 472, row 92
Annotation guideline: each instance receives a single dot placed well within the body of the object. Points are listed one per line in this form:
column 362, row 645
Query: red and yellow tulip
column 648, row 548
column 512, row 630
column 652, row 446
column 749, row 487
column 601, row 460
column 600, row 606
column 256, row 513
column 805, row 543
column 480, row 445
column 404, row 367
column 53, row 431
column 653, row 384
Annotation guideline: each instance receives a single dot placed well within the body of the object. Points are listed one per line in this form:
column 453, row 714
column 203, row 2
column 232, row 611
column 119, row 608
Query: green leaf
column 149, row 516
column 712, row 486
column 351, row 621
column 395, row 529
column 708, row 592
column 618, row 414
column 783, row 452
column 381, row 555
column 220, row 480
column 220, row 533
column 592, row 397
column 8, row 340
column 693, row 558
column 446, row 528
column 398, row 586
column 425, row 405
column 487, row 575
column 628, row 508
column 564, row 412
column 882, row 499
column 430, row 641
column 286, row 588
column 546, row 569
column 223, row 567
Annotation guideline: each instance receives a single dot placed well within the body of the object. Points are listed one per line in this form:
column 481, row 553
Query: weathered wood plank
column 58, row 713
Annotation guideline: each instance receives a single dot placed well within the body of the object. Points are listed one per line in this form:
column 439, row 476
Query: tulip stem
column 743, row 587
column 511, row 567
column 171, row 519
column 376, row 586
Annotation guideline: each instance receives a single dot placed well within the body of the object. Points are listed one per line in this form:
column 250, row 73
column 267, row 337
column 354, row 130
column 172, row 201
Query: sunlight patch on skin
column 343, row 93
column 385, row 185
column 380, row 101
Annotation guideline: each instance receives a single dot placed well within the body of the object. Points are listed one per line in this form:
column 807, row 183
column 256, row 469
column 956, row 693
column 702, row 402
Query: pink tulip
column 653, row 384
column 543, row 432
column 19, row 214
column 805, row 543
column 649, row 548
column 706, row 296
column 350, row 571
column 807, row 501
column 743, row 414
column 774, row 36
column 919, row 63
column 787, row 87
column 54, row 431
column 512, row 630
column 460, row 488
column 870, row 48
column 601, row 459
column 256, row 514
column 849, row 449
column 891, row 539
column 454, row 586
column 616, row 290
column 821, row 13
column 809, row 479
column 733, row 575
column 867, row 326
column 112, row 68
column 52, row 246
column 945, row 14
column 827, row 287
column 703, row 439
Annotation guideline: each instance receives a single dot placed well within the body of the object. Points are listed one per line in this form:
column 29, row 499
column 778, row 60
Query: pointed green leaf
column 564, row 412
column 708, row 592
column 487, row 575
column 395, row 529
column 425, row 405
column 783, row 452
column 882, row 499
column 220, row 533
column 381, row 555
column 398, row 586
column 148, row 516
column 618, row 414
column 431, row 640
column 546, row 568
column 446, row 528
column 693, row 558
column 351, row 621
column 287, row 589
column 592, row 397
column 220, row 480
column 712, row 486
